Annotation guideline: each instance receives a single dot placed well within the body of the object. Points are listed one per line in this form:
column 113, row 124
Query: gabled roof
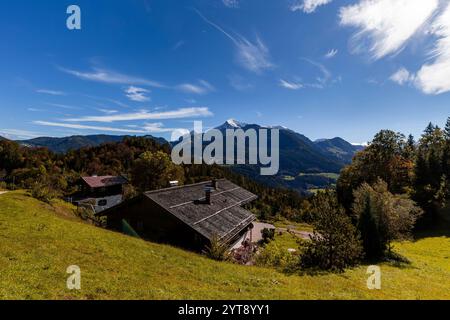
column 223, row 218
column 104, row 181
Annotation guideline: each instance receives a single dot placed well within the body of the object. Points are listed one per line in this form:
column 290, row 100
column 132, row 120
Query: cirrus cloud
column 137, row 94
column 402, row 76
column 111, row 77
column 385, row 26
column 231, row 3
column 145, row 115
column 291, row 85
column 253, row 56
column 434, row 77
column 308, row 6
column 146, row 128
column 202, row 87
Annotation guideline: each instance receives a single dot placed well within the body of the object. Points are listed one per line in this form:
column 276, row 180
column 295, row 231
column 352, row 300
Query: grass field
column 329, row 175
column 38, row 242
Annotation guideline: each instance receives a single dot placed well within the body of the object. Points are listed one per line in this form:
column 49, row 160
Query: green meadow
column 39, row 241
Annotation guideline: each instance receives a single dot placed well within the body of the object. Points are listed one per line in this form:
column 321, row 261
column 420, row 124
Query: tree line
column 144, row 161
column 393, row 188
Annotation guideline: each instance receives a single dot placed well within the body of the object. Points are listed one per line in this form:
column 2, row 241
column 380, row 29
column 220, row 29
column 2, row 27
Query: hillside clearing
column 39, row 242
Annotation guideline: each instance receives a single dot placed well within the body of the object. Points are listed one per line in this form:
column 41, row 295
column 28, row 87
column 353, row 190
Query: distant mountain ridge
column 304, row 164
column 339, row 147
column 62, row 145
column 300, row 154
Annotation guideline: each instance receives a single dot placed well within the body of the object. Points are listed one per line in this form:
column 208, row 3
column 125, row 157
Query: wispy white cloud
column 51, row 92
column 63, row 106
column 231, row 3
column 178, row 45
column 434, row 77
column 145, row 115
column 112, row 77
column 323, row 79
column 291, row 85
column 385, row 26
column 85, row 127
column 103, row 99
column 253, row 56
column 308, row 6
column 191, row 101
column 35, row 110
column 159, row 128
column 18, row 134
column 137, row 94
column 239, row 83
column 402, row 76
column 108, row 111
column 331, row 54
column 145, row 129
column 202, row 87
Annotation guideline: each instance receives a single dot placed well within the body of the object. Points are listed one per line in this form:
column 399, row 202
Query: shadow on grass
column 435, row 232
column 392, row 259
column 438, row 227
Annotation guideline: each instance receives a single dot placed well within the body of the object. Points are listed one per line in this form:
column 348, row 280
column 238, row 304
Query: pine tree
column 382, row 218
column 446, row 153
column 370, row 235
column 409, row 150
column 447, row 129
column 335, row 243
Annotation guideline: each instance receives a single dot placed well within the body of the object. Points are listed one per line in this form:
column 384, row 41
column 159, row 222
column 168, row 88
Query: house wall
column 102, row 192
column 154, row 223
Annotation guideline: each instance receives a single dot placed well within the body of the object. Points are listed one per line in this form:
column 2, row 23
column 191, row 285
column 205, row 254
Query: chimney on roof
column 215, row 184
column 208, row 192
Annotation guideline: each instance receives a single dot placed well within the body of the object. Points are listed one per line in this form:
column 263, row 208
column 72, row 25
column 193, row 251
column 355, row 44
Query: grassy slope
column 37, row 244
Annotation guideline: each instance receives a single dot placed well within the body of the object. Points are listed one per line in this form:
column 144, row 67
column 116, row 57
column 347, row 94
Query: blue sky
column 323, row 68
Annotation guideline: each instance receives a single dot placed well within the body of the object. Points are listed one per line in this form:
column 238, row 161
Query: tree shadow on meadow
column 440, row 228
column 392, row 259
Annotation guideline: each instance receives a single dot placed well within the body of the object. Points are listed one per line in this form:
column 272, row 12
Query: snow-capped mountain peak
column 235, row 124
column 232, row 124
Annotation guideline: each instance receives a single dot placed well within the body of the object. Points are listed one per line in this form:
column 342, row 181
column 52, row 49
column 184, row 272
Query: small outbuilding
column 103, row 186
column 99, row 193
column 187, row 216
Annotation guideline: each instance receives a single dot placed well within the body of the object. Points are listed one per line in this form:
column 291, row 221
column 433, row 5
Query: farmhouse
column 187, row 216
column 100, row 192
column 103, row 186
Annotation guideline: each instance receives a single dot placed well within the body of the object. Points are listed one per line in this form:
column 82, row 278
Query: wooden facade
column 188, row 216
column 102, row 186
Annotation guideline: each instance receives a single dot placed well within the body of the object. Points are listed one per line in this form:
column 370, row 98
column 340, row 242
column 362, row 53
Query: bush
column 3, row 185
column 274, row 256
column 267, row 235
column 335, row 243
column 217, row 250
column 382, row 218
column 43, row 192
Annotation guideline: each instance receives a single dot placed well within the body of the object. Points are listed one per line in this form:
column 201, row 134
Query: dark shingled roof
column 224, row 217
column 104, row 181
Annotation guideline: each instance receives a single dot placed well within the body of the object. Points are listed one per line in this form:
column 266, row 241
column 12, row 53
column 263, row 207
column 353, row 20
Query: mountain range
column 62, row 145
column 304, row 164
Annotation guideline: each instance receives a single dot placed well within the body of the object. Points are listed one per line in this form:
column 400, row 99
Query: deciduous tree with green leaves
column 383, row 217
column 154, row 170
